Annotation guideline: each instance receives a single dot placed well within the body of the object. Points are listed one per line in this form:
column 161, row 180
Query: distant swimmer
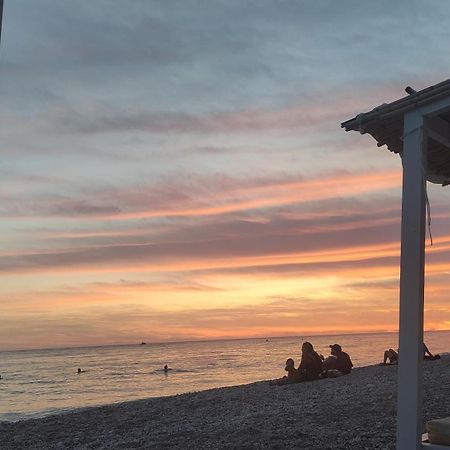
column 79, row 371
column 166, row 368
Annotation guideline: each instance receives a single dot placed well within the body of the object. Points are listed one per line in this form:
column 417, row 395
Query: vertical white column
column 409, row 401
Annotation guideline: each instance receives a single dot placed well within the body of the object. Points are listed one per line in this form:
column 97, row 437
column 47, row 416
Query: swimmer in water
column 166, row 368
column 79, row 371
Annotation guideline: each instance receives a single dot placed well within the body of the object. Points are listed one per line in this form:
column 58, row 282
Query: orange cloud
column 271, row 195
column 208, row 198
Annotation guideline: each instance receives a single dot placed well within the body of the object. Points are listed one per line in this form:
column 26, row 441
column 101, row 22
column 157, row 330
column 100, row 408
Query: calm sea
column 36, row 383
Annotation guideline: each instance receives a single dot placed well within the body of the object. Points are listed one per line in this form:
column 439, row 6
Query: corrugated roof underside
column 385, row 124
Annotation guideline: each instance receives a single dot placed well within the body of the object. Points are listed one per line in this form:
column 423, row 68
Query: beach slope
column 355, row 411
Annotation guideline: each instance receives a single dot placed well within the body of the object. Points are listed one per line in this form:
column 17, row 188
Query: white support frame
column 412, row 269
column 409, row 397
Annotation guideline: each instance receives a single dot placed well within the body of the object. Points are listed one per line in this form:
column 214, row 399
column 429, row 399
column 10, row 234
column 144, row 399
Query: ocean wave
column 172, row 370
column 41, row 382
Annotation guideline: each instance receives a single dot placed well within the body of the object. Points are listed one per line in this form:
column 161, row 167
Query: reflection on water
column 40, row 382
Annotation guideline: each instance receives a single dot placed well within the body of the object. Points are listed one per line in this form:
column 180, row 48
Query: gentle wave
column 172, row 370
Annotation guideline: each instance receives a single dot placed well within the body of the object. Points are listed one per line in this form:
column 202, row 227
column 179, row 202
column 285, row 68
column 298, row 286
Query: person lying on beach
column 293, row 375
column 392, row 356
column 427, row 355
column 310, row 366
column 338, row 361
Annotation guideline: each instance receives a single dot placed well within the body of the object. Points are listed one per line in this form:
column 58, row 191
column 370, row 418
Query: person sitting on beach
column 310, row 366
column 338, row 360
column 293, row 375
column 390, row 355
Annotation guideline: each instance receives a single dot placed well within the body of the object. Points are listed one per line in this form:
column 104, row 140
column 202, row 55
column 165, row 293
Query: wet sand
column 355, row 411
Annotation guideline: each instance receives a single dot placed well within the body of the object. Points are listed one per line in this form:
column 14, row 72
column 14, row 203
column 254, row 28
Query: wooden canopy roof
column 385, row 124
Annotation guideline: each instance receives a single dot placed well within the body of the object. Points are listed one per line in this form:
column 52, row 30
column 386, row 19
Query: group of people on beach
column 314, row 366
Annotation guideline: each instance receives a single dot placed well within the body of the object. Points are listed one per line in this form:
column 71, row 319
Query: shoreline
column 353, row 411
column 79, row 409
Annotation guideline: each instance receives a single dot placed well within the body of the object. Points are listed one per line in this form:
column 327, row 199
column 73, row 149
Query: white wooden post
column 409, row 401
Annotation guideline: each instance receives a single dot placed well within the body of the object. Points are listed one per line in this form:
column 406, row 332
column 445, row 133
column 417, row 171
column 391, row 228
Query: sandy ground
column 353, row 412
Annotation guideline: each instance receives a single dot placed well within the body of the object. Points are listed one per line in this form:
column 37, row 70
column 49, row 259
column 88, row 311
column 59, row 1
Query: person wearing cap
column 338, row 360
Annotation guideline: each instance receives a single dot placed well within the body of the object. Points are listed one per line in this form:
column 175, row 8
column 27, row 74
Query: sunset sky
column 176, row 170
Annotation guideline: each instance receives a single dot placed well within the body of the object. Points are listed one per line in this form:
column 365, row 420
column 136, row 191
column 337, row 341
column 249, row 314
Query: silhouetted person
column 166, row 368
column 293, row 375
column 338, row 360
column 427, row 355
column 390, row 355
column 311, row 364
column 393, row 356
column 79, row 371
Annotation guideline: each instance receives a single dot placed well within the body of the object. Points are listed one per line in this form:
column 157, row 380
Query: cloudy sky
column 176, row 170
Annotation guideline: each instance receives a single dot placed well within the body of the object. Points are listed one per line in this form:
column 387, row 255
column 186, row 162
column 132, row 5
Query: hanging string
column 428, row 211
column 424, row 178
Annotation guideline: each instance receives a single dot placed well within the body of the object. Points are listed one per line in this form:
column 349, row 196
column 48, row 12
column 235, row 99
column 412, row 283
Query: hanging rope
column 424, row 178
column 428, row 211
column 427, row 201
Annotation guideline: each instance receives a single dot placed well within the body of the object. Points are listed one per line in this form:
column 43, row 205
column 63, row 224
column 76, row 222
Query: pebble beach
column 356, row 411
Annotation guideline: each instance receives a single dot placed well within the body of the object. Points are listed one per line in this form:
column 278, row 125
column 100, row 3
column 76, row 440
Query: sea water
column 36, row 383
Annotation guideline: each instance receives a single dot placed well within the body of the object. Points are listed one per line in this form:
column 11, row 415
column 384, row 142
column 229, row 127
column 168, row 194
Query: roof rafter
column 385, row 124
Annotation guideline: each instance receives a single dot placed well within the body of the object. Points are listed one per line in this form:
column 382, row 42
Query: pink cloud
column 311, row 111
column 206, row 196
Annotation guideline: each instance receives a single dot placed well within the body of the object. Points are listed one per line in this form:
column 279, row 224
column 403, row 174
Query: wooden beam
column 439, row 105
column 422, row 99
column 409, row 399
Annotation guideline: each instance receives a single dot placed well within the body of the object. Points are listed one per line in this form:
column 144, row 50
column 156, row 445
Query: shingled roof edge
column 398, row 107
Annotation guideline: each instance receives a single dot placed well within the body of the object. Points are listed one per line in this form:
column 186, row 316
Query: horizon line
column 204, row 340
